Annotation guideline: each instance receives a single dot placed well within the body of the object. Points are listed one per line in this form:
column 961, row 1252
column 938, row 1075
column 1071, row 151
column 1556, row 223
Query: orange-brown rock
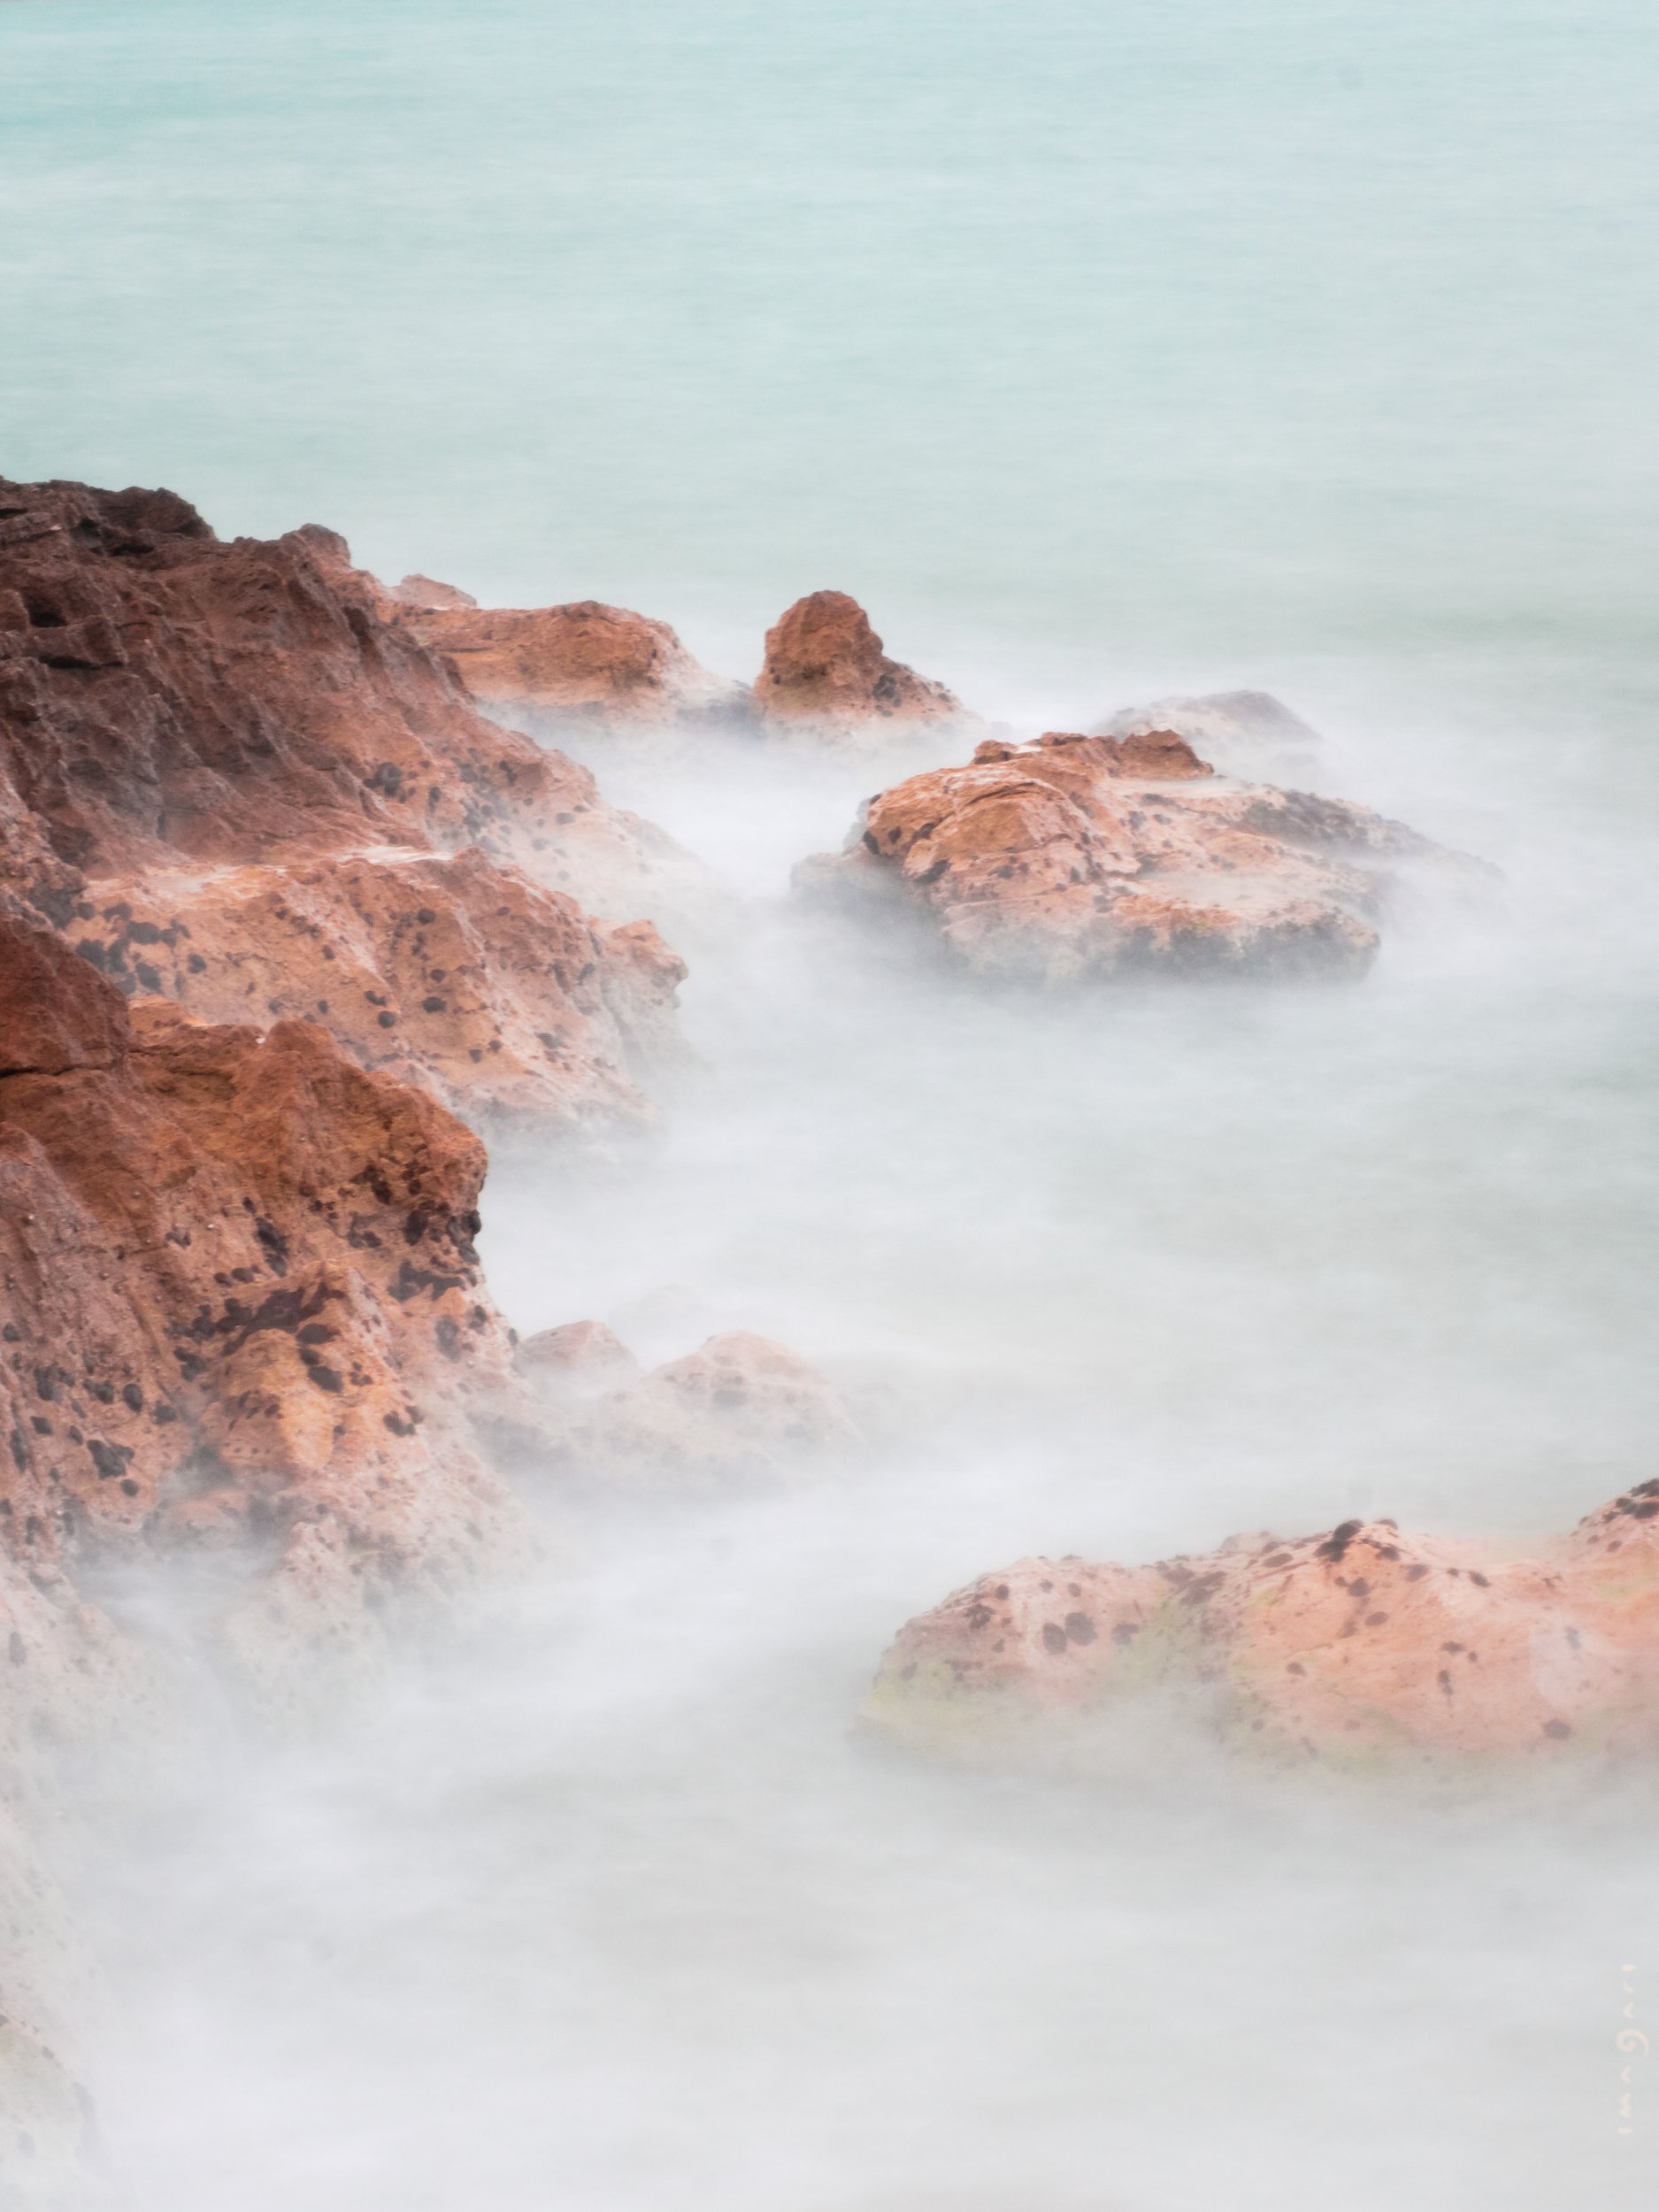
column 1359, row 1645
column 1077, row 857
column 584, row 667
column 825, row 675
column 241, row 1299
column 509, row 1003
column 169, row 702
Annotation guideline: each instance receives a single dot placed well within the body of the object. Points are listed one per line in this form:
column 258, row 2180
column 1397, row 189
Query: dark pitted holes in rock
column 1335, row 1546
column 1054, row 1636
column 1079, row 1628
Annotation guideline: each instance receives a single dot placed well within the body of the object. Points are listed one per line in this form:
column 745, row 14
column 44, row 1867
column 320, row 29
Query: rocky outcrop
column 173, row 706
column 241, row 1304
column 826, row 676
column 1245, row 734
column 1360, row 1646
column 583, row 667
column 506, row 1000
column 1080, row 858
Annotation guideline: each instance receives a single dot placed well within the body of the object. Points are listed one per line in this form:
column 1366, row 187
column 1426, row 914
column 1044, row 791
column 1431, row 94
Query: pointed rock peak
column 826, row 667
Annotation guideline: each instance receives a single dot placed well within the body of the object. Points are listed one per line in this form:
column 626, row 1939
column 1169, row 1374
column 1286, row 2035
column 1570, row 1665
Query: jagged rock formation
column 826, row 676
column 242, row 1302
column 1245, row 734
column 1080, row 857
column 242, row 718
column 584, row 667
column 1360, row 1646
column 509, row 1003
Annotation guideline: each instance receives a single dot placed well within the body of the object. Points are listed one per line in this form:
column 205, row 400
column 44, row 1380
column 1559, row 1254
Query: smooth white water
column 613, row 1908
column 1105, row 351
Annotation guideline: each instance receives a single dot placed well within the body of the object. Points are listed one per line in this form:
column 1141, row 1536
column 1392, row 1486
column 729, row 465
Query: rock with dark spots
column 584, row 667
column 741, row 1409
column 212, row 1222
column 504, row 1000
column 1361, row 1647
column 174, row 707
column 55, row 1014
column 826, row 677
column 1076, row 858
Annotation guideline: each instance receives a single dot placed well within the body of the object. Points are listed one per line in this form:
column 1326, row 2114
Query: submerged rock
column 173, row 705
column 1357, row 1646
column 577, row 1360
column 1080, row 857
column 588, row 666
column 741, row 1407
column 1245, row 734
column 826, row 676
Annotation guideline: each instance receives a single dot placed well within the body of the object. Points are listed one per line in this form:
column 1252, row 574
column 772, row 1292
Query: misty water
column 1103, row 353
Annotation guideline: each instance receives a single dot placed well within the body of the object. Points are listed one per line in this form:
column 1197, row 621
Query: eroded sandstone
column 241, row 1304
column 1075, row 857
column 1360, row 1646
column 826, row 676
column 187, row 725
column 509, row 1003
column 584, row 667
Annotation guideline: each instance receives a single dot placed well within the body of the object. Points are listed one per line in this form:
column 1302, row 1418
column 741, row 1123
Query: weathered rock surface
column 1361, row 1646
column 585, row 667
column 1079, row 857
column 1245, row 734
column 241, row 1301
column 173, row 704
column 509, row 1003
column 826, row 676
column 741, row 1407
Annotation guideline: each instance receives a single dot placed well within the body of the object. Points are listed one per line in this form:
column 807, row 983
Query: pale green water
column 1101, row 350
column 1242, row 325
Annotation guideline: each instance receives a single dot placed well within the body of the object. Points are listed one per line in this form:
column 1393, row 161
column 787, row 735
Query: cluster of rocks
column 226, row 778
column 1363, row 1646
column 1163, row 841
column 286, row 920
column 587, row 668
